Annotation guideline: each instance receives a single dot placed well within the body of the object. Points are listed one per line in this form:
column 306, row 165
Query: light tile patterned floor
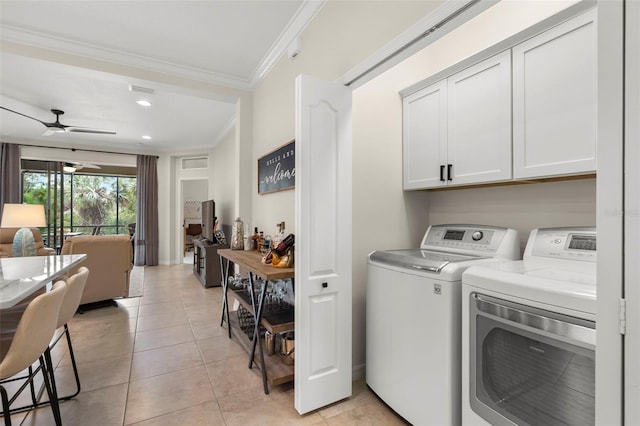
column 162, row 359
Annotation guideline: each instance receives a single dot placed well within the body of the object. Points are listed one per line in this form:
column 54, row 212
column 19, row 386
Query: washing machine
column 529, row 334
column 413, row 320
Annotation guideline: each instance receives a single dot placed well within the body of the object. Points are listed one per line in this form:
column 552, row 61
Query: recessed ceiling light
column 147, row 137
column 143, row 102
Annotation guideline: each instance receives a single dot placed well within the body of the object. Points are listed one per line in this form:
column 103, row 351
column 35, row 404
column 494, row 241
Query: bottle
column 254, row 239
column 261, row 242
column 282, row 233
column 267, row 242
column 246, row 237
column 276, row 236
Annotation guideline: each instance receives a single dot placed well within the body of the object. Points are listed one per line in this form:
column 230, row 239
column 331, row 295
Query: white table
column 23, row 276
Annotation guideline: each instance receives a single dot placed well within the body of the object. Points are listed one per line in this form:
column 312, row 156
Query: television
column 208, row 220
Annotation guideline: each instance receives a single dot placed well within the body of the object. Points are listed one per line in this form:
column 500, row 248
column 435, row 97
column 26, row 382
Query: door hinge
column 623, row 316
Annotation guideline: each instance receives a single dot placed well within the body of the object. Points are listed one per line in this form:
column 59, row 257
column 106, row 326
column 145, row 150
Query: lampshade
column 23, row 215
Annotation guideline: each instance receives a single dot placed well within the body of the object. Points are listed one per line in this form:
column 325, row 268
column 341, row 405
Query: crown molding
column 297, row 24
column 78, row 48
column 304, row 16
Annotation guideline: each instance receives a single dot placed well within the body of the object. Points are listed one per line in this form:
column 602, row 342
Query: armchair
column 6, row 242
column 109, row 258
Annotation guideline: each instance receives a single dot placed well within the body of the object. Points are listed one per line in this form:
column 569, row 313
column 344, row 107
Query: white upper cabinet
column 554, row 101
column 425, row 137
column 458, row 130
column 479, row 122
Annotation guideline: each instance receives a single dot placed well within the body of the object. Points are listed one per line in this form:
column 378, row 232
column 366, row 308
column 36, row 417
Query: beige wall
column 385, row 217
column 341, row 36
column 223, row 178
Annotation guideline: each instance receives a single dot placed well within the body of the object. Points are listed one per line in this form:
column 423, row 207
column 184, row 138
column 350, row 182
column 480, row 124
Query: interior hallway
column 163, row 359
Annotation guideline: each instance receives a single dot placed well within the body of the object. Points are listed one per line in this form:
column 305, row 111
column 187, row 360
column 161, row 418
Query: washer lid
column 425, row 260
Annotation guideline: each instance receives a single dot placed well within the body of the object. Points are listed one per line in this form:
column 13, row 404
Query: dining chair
column 191, row 230
column 34, row 331
column 75, row 287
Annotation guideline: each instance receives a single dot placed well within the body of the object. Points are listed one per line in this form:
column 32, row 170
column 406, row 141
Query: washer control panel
column 563, row 243
column 478, row 238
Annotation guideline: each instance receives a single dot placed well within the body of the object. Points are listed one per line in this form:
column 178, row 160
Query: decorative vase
column 237, row 235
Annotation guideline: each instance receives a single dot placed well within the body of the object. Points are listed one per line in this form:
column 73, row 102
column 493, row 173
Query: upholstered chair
column 6, row 242
column 69, row 307
column 29, row 344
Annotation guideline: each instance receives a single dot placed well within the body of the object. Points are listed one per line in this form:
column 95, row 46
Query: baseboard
column 358, row 372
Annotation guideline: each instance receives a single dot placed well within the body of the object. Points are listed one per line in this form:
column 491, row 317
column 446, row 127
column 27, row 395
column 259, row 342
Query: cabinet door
column 554, row 101
column 479, row 128
column 424, row 136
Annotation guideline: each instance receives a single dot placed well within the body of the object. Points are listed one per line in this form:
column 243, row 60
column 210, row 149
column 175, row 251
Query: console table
column 251, row 261
column 206, row 265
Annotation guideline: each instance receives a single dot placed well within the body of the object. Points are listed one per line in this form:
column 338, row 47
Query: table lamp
column 23, row 216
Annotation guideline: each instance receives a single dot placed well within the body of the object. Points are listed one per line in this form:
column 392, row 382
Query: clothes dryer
column 529, row 334
column 414, row 321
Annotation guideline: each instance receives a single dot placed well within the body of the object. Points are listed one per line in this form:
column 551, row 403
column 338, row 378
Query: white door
column 479, row 123
column 323, row 363
column 424, row 137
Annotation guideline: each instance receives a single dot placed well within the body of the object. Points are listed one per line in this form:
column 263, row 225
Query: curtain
column 9, row 174
column 146, row 236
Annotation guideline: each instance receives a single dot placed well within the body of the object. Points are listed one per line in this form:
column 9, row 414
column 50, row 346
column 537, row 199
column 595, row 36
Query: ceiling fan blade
column 52, row 131
column 86, row 166
column 74, row 129
column 24, row 115
column 57, row 127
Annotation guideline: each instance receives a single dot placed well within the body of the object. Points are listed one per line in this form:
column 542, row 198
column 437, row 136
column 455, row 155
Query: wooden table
column 252, row 262
column 20, row 277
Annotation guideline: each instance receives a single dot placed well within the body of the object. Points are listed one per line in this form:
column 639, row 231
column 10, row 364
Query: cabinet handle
column 449, row 166
column 442, row 173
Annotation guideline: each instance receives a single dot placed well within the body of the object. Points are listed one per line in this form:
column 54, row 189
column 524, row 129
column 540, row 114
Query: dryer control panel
column 563, row 243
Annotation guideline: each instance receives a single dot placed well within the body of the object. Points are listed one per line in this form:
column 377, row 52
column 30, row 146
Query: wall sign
column 277, row 169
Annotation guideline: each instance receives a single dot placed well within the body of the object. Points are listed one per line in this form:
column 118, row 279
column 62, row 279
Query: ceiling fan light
column 143, row 102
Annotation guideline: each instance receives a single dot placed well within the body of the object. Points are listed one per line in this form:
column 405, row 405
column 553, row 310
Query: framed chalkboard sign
column 277, row 169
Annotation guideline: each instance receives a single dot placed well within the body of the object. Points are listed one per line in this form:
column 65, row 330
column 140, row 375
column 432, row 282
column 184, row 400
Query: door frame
column 609, row 213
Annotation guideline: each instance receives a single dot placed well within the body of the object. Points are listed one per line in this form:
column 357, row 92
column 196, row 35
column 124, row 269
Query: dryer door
column 530, row 366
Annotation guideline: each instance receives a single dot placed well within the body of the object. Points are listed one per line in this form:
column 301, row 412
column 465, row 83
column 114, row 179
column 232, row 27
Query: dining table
column 20, row 277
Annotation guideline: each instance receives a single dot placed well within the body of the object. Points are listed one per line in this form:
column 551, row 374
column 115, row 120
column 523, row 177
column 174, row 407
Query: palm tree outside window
column 94, row 202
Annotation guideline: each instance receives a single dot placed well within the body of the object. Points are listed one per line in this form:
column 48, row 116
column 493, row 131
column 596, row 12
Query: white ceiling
column 230, row 44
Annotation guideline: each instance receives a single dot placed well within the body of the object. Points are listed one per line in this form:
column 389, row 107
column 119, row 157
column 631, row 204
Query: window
column 94, row 201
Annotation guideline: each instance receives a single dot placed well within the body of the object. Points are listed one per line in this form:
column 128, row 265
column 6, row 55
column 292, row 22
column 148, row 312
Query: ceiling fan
column 72, row 166
column 57, row 127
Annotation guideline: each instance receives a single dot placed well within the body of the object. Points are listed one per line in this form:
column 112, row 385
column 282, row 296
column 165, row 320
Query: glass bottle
column 254, row 239
column 277, row 235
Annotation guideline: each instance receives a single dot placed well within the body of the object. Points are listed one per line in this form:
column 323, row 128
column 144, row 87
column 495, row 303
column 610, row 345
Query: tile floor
column 162, row 359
